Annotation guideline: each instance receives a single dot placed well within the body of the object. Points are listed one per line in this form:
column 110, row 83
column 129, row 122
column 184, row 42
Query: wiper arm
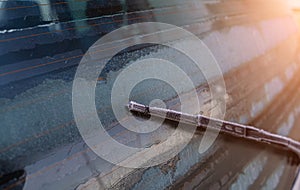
column 234, row 129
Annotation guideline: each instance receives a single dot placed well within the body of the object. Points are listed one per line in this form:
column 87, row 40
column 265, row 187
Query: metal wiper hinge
column 234, row 129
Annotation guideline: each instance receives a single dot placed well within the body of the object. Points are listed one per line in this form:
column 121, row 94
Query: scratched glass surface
column 41, row 44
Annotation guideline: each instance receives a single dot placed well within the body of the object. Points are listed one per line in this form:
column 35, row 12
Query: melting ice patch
column 244, row 119
column 273, row 88
column 290, row 71
column 250, row 173
column 253, row 40
column 274, row 179
column 287, row 126
column 257, row 108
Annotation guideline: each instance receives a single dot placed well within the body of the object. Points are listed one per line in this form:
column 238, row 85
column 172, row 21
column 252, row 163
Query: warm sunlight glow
column 294, row 3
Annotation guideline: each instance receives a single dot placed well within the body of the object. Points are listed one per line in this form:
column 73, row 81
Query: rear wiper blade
column 230, row 128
